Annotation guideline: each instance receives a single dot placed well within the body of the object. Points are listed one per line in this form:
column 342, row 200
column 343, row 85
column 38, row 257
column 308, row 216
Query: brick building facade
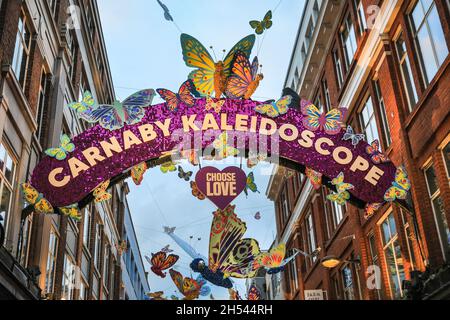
column 387, row 61
column 51, row 51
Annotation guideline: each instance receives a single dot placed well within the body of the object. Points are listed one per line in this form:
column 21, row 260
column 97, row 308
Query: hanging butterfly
column 275, row 109
column 221, row 148
column 261, row 26
column 167, row 14
column 254, row 160
column 371, row 209
column 167, row 249
column 196, row 191
column 400, row 186
column 36, row 199
column 229, row 254
column 244, row 80
column 376, row 155
column 73, row 212
column 100, row 193
column 211, row 76
column 137, row 173
column 86, row 104
column 156, row 296
column 191, row 156
column 341, row 186
column 274, row 261
column 342, row 195
column 114, row 117
column 314, row 177
column 64, row 149
column 258, row 216
column 340, row 198
column 188, row 287
column 161, row 261
column 169, row 166
column 251, row 185
column 186, row 94
column 330, row 122
column 254, row 294
column 351, row 135
column 214, row 105
column 184, row 175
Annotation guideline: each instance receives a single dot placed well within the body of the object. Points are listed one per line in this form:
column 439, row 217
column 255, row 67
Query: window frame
column 7, row 183
column 25, row 48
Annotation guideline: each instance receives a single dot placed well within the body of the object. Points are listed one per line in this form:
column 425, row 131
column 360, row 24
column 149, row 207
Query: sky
column 144, row 52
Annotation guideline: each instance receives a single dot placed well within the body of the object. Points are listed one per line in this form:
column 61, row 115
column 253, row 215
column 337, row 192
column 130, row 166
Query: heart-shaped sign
column 221, row 187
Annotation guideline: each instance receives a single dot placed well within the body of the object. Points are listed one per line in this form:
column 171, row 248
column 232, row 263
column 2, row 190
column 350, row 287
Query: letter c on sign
column 320, row 142
column 58, row 183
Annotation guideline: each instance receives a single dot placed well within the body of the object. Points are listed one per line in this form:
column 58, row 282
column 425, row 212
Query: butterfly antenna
column 223, row 54
column 214, row 52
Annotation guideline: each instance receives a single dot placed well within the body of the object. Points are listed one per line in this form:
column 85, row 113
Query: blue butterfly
column 351, row 135
column 114, row 117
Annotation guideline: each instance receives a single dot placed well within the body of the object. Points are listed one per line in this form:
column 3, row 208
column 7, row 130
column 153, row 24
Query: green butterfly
column 261, row 26
column 251, row 185
column 86, row 104
column 65, row 148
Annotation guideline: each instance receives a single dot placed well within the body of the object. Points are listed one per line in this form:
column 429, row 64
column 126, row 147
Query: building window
column 407, row 76
column 362, row 23
column 338, row 213
column 384, row 119
column 86, row 227
column 369, row 121
column 7, row 172
column 375, row 258
column 106, row 266
column 42, row 106
column 69, row 278
column 438, row 210
column 446, row 155
column 285, row 205
column 429, row 37
column 51, row 262
column 349, row 285
column 22, row 50
column 308, row 35
column 294, row 272
column 409, row 236
column 326, row 91
column 303, row 54
column 97, row 247
column 83, row 290
column 338, row 67
column 393, row 256
column 311, row 237
column 348, row 39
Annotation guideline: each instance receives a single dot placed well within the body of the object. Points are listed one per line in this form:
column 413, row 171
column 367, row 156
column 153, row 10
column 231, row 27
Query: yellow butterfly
column 168, row 167
column 137, row 173
column 341, row 186
column 275, row 109
column 210, row 76
column 400, row 186
column 72, row 212
column 63, row 150
column 222, row 149
column 100, row 192
column 213, row 105
column 36, row 199
column 340, row 198
column 86, row 104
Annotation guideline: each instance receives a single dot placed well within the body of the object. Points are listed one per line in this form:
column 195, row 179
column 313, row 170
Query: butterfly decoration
column 167, row 14
column 261, row 26
column 244, row 80
column 174, row 298
column 342, row 195
column 196, row 191
column 137, row 173
column 87, row 103
column 73, row 212
column 371, row 209
column 205, row 290
column 64, row 149
column 273, row 261
column 254, row 160
column 314, row 177
column 156, row 296
column 169, row 166
column 258, row 216
column 100, row 193
column 251, row 185
column 184, row 175
column 115, row 116
column 315, row 120
column 161, row 261
column 211, row 104
column 351, row 135
column 191, row 156
column 186, row 94
column 254, row 294
column 166, row 249
column 275, row 109
column 188, row 287
column 122, row 247
column 376, row 155
column 400, row 187
column 210, row 76
column 234, row 295
column 222, row 149
column 36, row 199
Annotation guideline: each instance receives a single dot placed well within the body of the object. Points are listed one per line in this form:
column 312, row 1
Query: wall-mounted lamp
column 331, row 262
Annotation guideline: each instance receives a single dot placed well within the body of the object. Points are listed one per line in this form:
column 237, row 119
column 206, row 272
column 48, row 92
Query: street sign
column 314, row 295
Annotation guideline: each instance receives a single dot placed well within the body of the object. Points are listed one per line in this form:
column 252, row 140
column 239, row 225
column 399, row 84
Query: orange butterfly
column 196, row 191
column 188, row 287
column 211, row 104
column 137, row 173
column 245, row 78
column 161, row 262
column 184, row 95
column 100, row 192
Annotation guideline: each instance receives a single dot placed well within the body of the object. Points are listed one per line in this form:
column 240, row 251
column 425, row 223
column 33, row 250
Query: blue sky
column 144, row 52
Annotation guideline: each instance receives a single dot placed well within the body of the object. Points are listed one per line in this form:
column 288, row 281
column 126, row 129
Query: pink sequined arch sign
column 102, row 155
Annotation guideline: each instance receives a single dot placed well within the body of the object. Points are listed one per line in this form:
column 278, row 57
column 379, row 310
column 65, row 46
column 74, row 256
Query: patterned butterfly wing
column 72, row 212
column 86, row 104
column 171, row 99
column 312, row 116
column 66, row 144
column 245, row 45
column 133, row 106
column 196, row 191
column 177, row 279
column 371, row 209
column 100, row 193
column 251, row 185
column 184, row 94
column 42, row 206
column 254, row 294
column 31, row 195
column 332, row 122
column 267, row 109
column 57, row 153
column 268, row 20
column 257, row 26
column 274, row 258
column 283, row 104
column 214, row 105
column 340, row 198
column 315, row 178
column 240, row 263
column 241, row 77
column 168, row 167
column 137, row 173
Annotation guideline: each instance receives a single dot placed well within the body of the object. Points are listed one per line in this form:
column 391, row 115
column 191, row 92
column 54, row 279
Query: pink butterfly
column 374, row 151
column 330, row 122
column 371, row 209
